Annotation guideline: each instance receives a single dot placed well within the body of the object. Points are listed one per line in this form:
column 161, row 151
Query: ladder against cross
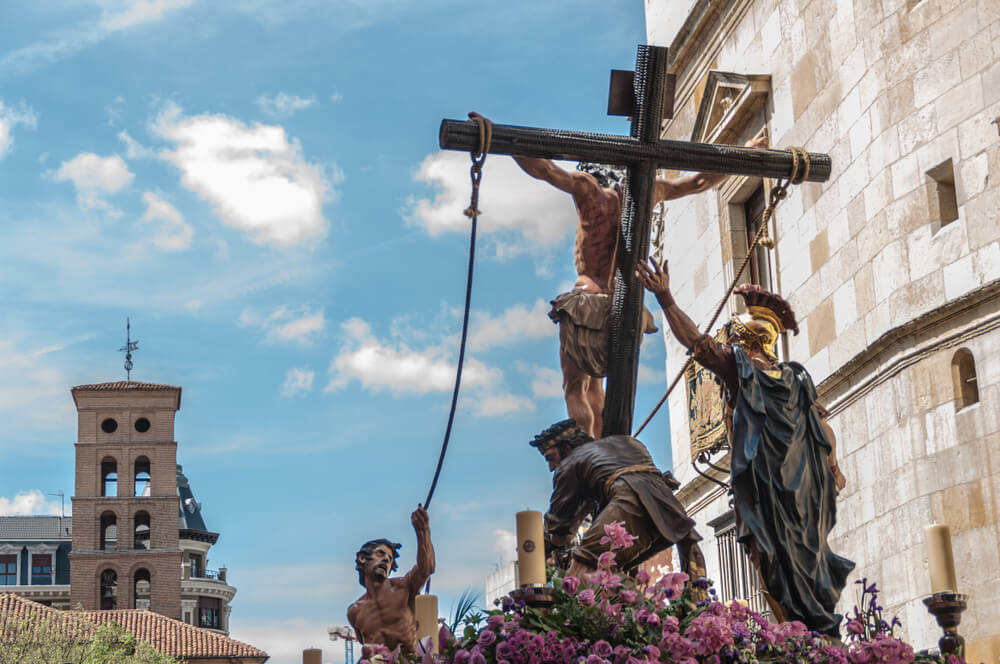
column 647, row 96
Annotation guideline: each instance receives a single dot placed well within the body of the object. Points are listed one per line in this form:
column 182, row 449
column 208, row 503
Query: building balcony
column 211, row 584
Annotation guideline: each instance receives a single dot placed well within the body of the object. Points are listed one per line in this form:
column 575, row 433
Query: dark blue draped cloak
column 784, row 490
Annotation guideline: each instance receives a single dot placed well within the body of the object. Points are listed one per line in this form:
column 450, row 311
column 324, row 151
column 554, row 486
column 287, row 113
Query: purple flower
column 477, row 658
column 628, row 596
column 642, row 576
column 570, row 584
column 495, row 621
column 487, row 637
column 672, row 584
column 602, row 649
column 855, row 627
column 462, row 656
column 586, row 597
column 596, row 659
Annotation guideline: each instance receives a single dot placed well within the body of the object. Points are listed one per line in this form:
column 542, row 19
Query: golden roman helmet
column 768, row 316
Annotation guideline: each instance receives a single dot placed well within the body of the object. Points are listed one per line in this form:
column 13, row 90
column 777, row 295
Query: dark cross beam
column 642, row 153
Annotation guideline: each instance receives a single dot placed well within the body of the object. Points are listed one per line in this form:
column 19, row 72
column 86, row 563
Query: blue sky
column 258, row 185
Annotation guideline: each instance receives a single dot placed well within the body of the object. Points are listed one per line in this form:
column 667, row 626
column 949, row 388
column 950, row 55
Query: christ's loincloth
column 584, row 333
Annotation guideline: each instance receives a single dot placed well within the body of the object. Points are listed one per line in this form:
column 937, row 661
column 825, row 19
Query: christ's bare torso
column 599, row 211
column 387, row 616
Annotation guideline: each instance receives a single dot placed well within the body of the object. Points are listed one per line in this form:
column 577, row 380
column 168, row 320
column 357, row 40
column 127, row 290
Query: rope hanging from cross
column 647, row 96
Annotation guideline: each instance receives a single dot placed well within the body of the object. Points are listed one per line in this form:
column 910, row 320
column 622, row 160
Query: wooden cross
column 648, row 100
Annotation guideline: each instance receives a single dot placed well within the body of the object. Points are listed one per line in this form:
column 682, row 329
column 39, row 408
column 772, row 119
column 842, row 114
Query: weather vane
column 128, row 348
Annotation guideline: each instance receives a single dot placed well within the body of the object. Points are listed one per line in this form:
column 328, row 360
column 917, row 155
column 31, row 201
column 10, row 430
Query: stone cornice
column 911, row 342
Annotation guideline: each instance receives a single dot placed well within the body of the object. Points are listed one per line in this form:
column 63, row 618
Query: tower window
column 941, row 196
column 142, row 477
column 109, row 425
column 109, row 531
column 142, row 530
column 142, row 425
column 142, row 589
column 197, row 569
column 963, row 376
column 109, row 477
column 209, row 609
column 109, row 590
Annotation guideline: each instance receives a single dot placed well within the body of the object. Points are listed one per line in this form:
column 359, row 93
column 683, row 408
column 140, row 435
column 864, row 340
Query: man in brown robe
column 385, row 614
column 615, row 477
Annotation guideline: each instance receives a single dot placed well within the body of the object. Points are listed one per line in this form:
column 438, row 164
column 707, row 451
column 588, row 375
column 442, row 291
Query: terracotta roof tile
column 166, row 635
column 124, row 385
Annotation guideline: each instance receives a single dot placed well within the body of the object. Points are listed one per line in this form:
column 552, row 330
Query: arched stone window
column 109, row 590
column 142, row 588
column 108, row 535
column 963, row 376
column 109, row 477
column 142, row 531
column 142, row 477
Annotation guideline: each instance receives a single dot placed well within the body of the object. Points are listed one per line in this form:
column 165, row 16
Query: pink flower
column 596, row 659
column 586, row 597
column 642, row 576
column 570, row 584
column 606, row 560
column 602, row 649
column 487, row 637
column 606, row 579
column 496, row 620
column 672, row 584
column 628, row 596
column 855, row 627
column 617, row 536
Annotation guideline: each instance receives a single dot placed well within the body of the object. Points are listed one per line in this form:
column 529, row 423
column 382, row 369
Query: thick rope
column 778, row 193
column 476, row 175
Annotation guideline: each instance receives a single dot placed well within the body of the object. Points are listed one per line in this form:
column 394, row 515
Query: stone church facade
column 892, row 267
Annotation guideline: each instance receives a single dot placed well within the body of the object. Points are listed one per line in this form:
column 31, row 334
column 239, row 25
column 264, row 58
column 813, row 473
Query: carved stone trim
column 902, row 346
column 729, row 104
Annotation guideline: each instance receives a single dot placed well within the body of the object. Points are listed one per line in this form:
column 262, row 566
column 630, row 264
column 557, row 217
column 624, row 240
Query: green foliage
column 45, row 642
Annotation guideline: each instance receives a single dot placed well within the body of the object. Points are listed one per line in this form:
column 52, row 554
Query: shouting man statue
column 616, row 476
column 583, row 313
column 784, row 471
column 385, row 614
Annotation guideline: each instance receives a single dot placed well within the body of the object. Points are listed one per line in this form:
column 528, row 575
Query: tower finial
column 128, row 348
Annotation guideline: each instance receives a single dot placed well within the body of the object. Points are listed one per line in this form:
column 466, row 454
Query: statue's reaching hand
column 420, row 521
column 655, row 279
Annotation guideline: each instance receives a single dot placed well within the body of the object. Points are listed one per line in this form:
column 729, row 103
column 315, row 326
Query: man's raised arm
column 656, row 280
column 546, row 169
column 669, row 189
column 425, row 550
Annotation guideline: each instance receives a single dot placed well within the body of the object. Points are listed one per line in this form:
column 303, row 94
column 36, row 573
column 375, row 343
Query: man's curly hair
column 607, row 176
column 567, row 434
column 367, row 549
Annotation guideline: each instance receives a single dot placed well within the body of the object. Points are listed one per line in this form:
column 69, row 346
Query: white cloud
column 10, row 118
column 137, row 12
column 514, row 326
column 133, row 148
column 547, row 383
column 93, row 176
column 283, row 105
column 33, row 386
column 284, row 324
column 116, row 15
column 493, row 405
column 395, row 367
column 336, row 97
column 256, row 178
column 174, row 234
column 522, row 213
column 297, row 382
column 505, row 543
column 285, row 639
column 649, row 375
column 28, row 503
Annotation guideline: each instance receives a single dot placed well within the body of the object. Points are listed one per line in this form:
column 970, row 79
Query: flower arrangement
column 608, row 619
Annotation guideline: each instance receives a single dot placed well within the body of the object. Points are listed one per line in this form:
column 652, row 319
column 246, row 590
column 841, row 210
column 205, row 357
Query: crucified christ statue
column 583, row 313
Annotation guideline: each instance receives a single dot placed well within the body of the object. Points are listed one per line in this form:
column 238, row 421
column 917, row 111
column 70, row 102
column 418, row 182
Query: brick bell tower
column 125, row 552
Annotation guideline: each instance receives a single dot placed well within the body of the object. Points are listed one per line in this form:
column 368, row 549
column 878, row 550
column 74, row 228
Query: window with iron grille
column 738, row 579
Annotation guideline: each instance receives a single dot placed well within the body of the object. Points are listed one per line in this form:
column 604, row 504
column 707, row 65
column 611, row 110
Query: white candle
column 940, row 559
column 530, row 549
column 427, row 619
